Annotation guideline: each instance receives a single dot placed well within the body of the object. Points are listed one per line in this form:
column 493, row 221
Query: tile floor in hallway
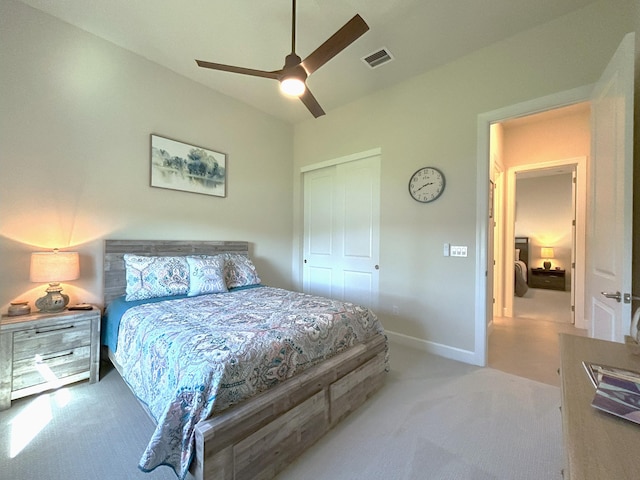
column 527, row 344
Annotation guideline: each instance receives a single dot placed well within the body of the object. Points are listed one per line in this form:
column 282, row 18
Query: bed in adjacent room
column 240, row 378
column 521, row 274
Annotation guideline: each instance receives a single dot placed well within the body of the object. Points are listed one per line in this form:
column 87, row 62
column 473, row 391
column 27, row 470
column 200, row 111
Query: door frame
column 345, row 159
column 498, row 247
column 579, row 245
column 483, row 292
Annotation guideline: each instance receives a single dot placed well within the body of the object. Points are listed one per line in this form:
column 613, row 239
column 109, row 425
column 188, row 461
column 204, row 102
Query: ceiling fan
column 293, row 75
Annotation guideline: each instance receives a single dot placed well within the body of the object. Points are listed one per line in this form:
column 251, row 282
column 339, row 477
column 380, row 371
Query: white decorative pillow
column 517, row 254
column 151, row 277
column 206, row 275
column 239, row 270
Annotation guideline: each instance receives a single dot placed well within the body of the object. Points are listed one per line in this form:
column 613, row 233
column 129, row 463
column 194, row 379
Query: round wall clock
column 426, row 184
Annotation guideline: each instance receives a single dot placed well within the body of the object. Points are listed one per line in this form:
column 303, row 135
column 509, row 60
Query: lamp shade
column 546, row 252
column 54, row 266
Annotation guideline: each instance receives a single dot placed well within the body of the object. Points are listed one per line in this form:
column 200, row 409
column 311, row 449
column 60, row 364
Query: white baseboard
column 445, row 351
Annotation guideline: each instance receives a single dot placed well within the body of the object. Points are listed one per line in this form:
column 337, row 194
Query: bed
column 521, row 266
column 247, row 427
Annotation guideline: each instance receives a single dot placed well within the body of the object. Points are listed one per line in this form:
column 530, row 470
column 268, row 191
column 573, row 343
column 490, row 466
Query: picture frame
column 181, row 166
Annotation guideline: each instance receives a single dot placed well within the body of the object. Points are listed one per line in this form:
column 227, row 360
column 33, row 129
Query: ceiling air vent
column 377, row 58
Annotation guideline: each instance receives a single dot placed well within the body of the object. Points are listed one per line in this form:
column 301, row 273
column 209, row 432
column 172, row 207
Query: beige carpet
column 542, row 304
column 435, row 419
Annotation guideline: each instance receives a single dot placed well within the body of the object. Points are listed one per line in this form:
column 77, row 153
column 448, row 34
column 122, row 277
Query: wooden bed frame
column 259, row 437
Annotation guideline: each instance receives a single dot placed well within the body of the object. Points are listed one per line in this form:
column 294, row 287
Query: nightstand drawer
column 555, row 283
column 551, row 279
column 50, row 339
column 42, row 368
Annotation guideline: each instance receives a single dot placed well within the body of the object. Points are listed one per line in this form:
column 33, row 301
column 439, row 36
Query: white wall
column 76, row 116
column 431, row 120
column 548, row 137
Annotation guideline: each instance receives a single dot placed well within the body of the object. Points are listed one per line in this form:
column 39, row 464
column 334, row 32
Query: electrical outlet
column 396, row 310
column 458, row 251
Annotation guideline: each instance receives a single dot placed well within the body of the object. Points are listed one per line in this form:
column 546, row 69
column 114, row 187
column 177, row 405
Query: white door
column 609, row 240
column 341, row 231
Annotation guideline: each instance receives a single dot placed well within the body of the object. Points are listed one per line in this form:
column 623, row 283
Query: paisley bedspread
column 189, row 358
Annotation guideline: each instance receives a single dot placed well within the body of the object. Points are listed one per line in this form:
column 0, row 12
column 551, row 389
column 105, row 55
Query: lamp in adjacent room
column 547, row 254
column 52, row 268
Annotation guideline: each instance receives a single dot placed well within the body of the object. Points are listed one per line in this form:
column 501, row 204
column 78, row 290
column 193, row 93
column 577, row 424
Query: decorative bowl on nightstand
column 19, row 307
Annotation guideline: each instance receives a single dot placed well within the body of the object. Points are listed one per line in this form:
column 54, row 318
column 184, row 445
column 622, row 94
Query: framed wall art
column 179, row 166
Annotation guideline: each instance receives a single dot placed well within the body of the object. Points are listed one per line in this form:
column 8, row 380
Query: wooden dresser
column 598, row 446
column 42, row 351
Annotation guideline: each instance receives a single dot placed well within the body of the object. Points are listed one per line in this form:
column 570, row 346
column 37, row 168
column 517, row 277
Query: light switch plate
column 458, row 250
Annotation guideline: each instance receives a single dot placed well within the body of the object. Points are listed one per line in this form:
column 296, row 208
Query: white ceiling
column 421, row 34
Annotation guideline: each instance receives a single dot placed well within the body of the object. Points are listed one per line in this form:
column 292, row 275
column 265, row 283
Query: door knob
column 617, row 296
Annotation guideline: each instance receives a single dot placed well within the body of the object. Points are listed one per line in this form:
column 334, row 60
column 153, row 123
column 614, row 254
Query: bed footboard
column 259, row 438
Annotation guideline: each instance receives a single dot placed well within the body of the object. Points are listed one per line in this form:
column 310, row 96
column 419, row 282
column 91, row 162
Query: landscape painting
column 180, row 166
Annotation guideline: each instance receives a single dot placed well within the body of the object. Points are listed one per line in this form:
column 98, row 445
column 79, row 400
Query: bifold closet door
column 341, row 231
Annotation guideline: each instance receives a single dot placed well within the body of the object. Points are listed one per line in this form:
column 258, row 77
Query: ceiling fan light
column 292, row 86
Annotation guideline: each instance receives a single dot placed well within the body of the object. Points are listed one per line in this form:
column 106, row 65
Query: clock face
column 426, row 184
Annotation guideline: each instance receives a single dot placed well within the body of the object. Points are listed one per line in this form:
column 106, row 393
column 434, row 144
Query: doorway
column 540, row 203
column 614, row 89
column 544, row 222
column 546, row 153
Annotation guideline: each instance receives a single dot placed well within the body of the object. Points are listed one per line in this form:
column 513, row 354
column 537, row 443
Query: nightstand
column 551, row 279
column 42, row 351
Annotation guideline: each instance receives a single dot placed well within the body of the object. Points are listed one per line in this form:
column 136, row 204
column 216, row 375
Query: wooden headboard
column 114, row 250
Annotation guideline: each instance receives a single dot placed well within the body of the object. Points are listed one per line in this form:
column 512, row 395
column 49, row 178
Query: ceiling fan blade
column 311, row 103
column 349, row 33
column 245, row 71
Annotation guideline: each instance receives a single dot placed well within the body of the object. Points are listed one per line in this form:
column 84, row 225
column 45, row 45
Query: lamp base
column 54, row 301
column 547, row 265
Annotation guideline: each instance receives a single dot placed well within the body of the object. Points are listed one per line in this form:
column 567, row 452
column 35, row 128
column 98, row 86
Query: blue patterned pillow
column 239, row 270
column 151, row 277
column 206, row 275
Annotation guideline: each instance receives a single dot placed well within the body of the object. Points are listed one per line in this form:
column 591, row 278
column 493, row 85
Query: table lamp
column 547, row 254
column 54, row 267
